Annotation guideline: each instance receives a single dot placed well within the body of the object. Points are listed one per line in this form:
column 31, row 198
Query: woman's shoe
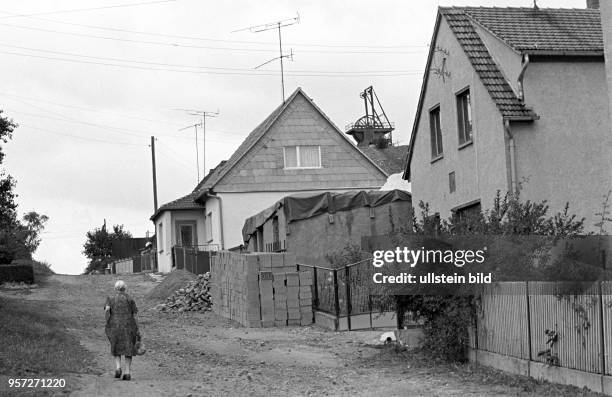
column 127, row 377
column 118, row 373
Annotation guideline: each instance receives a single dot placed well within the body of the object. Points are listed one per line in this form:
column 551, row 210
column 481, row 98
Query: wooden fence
column 514, row 317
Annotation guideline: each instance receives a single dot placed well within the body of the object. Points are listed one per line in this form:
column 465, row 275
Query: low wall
column 261, row 290
column 566, row 376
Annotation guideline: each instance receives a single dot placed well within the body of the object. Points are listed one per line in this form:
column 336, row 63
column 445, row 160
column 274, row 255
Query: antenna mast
column 203, row 114
column 270, row 26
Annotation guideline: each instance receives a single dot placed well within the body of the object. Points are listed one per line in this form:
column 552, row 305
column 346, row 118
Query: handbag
column 140, row 347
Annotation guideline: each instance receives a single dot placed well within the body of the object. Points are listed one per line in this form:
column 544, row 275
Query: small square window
column 451, row 182
column 307, row 156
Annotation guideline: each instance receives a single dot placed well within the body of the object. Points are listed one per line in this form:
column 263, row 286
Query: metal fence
column 514, row 318
column 195, row 259
column 348, row 294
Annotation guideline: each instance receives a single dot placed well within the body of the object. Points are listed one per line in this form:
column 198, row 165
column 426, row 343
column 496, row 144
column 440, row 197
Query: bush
column 17, row 273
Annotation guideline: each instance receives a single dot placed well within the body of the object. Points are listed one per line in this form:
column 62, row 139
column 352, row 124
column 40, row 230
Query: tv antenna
column 271, row 26
column 203, row 114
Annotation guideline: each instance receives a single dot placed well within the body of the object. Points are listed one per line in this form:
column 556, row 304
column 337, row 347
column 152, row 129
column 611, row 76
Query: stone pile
column 195, row 296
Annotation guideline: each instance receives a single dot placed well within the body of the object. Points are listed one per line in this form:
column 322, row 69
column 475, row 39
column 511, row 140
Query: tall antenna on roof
column 270, row 26
column 203, row 114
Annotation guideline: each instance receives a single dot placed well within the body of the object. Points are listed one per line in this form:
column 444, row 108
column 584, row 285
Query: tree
column 8, row 207
column 98, row 246
column 32, row 225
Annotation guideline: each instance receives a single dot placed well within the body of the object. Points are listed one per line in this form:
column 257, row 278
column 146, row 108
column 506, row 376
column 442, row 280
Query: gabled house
column 296, row 149
column 513, row 98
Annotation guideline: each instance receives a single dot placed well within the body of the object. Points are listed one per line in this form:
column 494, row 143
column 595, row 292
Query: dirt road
column 205, row 355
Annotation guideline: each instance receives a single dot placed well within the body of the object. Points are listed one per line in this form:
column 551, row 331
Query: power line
column 87, row 9
column 13, row 96
column 119, row 130
column 202, row 72
column 20, row 98
column 123, row 131
column 182, row 45
column 81, row 137
column 199, row 38
column 195, row 66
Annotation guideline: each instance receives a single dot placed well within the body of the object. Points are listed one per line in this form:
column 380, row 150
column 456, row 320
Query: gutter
column 521, row 90
column 513, row 182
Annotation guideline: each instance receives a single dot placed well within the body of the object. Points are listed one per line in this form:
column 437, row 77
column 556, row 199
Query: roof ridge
column 517, row 8
column 247, row 144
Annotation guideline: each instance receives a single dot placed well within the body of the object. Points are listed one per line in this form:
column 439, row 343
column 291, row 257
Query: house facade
column 513, row 99
column 296, row 149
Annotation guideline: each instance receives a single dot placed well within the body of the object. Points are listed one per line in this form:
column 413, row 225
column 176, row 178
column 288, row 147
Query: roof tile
column 500, row 91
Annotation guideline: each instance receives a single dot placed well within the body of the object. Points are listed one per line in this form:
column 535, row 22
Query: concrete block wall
column 235, row 287
column 261, row 290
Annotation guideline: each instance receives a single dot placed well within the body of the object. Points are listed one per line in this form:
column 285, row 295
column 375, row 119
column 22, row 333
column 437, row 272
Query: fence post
column 370, row 308
column 527, row 301
column 336, row 300
column 316, row 288
column 184, row 257
column 347, row 275
column 601, row 330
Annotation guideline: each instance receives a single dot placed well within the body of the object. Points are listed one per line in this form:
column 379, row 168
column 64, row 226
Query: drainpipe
column 220, row 217
column 521, row 90
column 513, row 182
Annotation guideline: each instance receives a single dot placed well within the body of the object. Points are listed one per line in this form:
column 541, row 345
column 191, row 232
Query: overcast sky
column 89, row 87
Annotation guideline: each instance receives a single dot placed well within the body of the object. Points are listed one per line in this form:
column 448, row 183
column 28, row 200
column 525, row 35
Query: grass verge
column 34, row 341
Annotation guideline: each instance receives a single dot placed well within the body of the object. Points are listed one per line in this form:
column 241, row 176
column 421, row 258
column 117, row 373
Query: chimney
column 592, row 4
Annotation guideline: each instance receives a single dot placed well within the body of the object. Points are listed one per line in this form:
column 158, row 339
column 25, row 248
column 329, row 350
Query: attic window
column 302, row 156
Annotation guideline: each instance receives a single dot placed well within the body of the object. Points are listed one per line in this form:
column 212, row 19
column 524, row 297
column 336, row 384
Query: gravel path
column 201, row 354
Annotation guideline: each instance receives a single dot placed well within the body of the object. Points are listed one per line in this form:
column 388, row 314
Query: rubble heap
column 195, row 296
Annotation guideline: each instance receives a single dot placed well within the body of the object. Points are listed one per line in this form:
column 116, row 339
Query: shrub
column 17, row 273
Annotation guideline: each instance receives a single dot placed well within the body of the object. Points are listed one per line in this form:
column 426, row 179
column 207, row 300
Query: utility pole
column 270, row 26
column 154, row 173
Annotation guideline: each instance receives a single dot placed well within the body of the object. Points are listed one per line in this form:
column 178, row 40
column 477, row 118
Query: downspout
column 513, row 182
column 220, row 217
column 521, row 90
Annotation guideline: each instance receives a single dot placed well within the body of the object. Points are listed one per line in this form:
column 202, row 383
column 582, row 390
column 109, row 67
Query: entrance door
column 186, row 234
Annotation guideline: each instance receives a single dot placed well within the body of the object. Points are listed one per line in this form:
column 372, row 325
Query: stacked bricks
column 261, row 289
column 235, row 287
column 305, row 296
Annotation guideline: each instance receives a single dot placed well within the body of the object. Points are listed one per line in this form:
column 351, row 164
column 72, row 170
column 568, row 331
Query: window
column 436, row 132
column 451, row 182
column 160, row 237
column 208, row 228
column 186, row 233
column 464, row 117
column 302, row 156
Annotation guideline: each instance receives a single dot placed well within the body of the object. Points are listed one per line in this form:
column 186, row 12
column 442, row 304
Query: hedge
column 17, row 273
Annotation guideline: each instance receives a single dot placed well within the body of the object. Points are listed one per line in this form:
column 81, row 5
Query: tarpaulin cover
column 304, row 207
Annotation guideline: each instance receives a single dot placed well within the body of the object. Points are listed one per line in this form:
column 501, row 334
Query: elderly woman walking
column 122, row 328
